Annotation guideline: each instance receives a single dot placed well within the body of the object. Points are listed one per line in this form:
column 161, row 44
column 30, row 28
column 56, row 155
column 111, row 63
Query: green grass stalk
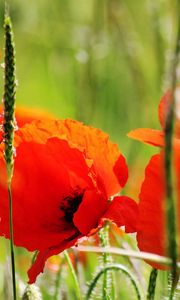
column 130, row 253
column 152, row 284
column 58, row 281
column 114, row 267
column 73, row 274
column 170, row 203
column 8, row 126
column 108, row 279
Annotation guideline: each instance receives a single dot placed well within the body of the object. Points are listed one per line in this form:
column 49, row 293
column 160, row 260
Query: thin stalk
column 103, row 238
column 130, row 253
column 172, row 283
column 8, row 126
column 34, row 257
column 115, row 267
column 169, row 126
column 13, row 270
column 57, row 285
column 108, row 280
column 73, row 274
column 57, row 282
column 152, row 284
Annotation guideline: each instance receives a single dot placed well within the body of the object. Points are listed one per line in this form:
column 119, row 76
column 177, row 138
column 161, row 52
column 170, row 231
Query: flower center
column 69, row 205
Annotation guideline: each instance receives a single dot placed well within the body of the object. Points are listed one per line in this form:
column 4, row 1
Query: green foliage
column 116, row 267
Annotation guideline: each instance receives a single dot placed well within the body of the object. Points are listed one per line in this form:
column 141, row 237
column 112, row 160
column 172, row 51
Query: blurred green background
column 103, row 62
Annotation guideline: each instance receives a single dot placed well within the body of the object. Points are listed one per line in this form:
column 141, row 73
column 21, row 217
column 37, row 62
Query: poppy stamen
column 69, row 205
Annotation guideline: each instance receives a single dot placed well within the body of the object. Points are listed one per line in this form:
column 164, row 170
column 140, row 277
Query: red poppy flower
column 151, row 233
column 64, row 174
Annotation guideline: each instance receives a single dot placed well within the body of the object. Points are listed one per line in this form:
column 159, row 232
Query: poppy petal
column 121, row 170
column 64, row 174
column 38, row 265
column 148, row 136
column 151, row 235
column 90, row 211
column 38, row 187
column 92, row 141
column 124, row 212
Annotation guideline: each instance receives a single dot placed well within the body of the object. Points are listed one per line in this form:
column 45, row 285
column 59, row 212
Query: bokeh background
column 103, row 62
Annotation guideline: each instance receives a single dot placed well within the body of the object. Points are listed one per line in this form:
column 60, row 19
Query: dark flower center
column 69, row 205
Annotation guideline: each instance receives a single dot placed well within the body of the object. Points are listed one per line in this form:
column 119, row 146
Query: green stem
column 173, row 282
column 8, row 126
column 170, row 207
column 57, row 285
column 152, row 284
column 57, row 282
column 34, row 257
column 130, row 253
column 73, row 274
column 103, row 237
column 108, row 280
column 12, row 243
column 115, row 267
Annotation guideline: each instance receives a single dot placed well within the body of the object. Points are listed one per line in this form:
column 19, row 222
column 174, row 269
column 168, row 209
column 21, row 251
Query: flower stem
column 172, row 283
column 58, row 281
column 170, row 207
column 12, row 243
column 108, row 280
column 73, row 274
column 152, row 284
column 8, row 125
column 57, row 284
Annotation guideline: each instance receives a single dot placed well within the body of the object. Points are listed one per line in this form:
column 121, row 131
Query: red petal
column 38, row 265
column 151, row 235
column 93, row 142
column 43, row 176
column 148, row 136
column 121, row 170
column 124, row 212
column 90, row 211
column 24, row 115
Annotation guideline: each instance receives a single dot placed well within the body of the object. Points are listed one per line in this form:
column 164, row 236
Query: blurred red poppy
column 64, row 175
column 151, row 233
column 24, row 115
